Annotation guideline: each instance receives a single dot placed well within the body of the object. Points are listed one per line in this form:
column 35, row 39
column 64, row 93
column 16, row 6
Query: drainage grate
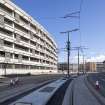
column 47, row 89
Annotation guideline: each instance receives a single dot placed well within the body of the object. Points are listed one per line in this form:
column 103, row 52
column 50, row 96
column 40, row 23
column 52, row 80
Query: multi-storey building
column 63, row 67
column 100, row 66
column 90, row 67
column 25, row 46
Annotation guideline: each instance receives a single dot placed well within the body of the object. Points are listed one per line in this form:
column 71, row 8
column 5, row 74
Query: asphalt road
column 25, row 82
column 101, row 78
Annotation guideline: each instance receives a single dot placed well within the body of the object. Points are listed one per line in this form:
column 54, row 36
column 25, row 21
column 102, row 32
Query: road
column 25, row 83
column 101, row 78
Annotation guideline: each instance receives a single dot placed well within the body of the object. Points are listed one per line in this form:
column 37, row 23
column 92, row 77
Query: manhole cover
column 47, row 89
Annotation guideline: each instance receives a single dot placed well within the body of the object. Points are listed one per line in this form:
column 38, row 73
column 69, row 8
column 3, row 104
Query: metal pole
column 83, row 65
column 68, row 48
column 78, row 60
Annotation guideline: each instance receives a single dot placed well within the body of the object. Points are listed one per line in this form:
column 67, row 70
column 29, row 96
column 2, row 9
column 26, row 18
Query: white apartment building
column 25, row 46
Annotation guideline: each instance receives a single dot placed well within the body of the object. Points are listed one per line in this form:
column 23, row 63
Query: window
column 42, row 67
column 24, row 39
column 37, row 52
column 9, row 66
column 18, row 66
column 34, row 59
column 33, row 43
column 8, row 22
column 35, row 36
column 34, row 67
column 16, row 56
column 21, row 28
column 42, row 54
column 25, row 57
column 8, row 44
column 33, row 27
column 6, row 32
column 11, row 55
column 25, row 66
column 2, row 54
column 21, row 48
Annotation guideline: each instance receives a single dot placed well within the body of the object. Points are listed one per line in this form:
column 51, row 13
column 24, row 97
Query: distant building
column 100, row 66
column 95, row 67
column 90, row 67
column 63, row 67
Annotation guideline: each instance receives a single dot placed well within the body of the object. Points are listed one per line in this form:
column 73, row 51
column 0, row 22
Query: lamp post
column 68, row 46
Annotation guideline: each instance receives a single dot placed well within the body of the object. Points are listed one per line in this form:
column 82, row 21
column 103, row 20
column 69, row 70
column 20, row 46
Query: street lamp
column 68, row 45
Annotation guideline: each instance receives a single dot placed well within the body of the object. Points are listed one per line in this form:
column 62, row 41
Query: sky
column 91, row 32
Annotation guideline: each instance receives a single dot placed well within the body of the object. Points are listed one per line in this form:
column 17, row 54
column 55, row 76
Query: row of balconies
column 22, row 42
column 22, row 66
column 25, row 62
column 17, row 55
column 24, row 39
column 35, row 37
column 25, row 49
column 21, row 21
column 36, row 54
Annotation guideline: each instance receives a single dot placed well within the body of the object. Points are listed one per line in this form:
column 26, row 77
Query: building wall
column 90, row 67
column 25, row 46
column 100, row 67
column 64, row 67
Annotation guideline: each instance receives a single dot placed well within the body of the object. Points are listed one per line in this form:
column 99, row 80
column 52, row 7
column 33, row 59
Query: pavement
column 78, row 93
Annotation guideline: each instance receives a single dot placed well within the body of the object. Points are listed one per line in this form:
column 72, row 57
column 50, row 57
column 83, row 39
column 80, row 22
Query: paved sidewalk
column 82, row 96
column 78, row 94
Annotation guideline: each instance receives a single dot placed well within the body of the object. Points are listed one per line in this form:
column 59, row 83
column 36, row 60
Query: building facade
column 90, row 67
column 100, row 66
column 25, row 46
column 63, row 67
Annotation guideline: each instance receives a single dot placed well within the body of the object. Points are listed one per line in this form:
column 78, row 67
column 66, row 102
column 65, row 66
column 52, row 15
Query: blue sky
column 47, row 13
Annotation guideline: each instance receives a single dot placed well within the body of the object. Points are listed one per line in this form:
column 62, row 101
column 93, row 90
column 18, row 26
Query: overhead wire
column 80, row 9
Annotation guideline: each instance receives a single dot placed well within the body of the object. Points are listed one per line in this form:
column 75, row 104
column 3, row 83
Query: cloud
column 98, row 58
column 75, row 59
